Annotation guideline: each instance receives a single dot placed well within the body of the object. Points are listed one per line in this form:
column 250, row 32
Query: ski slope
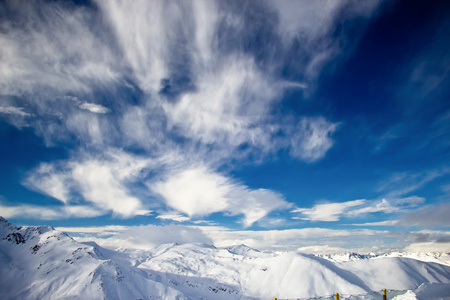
column 43, row 263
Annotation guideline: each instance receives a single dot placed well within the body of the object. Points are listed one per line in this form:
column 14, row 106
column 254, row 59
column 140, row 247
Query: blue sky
column 311, row 125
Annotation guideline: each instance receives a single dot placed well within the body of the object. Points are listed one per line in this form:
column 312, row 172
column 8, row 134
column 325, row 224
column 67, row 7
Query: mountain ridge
column 39, row 262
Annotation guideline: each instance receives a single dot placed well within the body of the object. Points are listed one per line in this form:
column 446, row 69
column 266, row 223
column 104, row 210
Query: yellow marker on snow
column 336, row 296
column 384, row 294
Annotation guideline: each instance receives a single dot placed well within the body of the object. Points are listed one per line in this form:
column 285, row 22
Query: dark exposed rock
column 15, row 237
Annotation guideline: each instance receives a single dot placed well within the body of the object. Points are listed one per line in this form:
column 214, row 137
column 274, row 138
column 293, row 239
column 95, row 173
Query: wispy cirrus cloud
column 388, row 206
column 11, row 110
column 328, row 211
column 223, row 100
column 311, row 138
column 375, row 224
column 308, row 27
column 92, row 107
column 228, row 108
column 335, row 211
column 69, row 57
column 173, row 217
column 403, row 183
column 15, row 115
column 424, row 80
column 37, row 212
column 396, row 198
column 184, row 84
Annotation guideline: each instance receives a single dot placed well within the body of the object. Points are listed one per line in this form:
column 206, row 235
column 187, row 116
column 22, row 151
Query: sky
column 303, row 125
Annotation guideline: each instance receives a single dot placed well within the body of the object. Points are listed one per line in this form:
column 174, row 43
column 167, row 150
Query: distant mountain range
column 38, row 262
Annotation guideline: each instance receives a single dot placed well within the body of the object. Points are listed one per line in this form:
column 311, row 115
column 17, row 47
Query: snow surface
column 43, row 263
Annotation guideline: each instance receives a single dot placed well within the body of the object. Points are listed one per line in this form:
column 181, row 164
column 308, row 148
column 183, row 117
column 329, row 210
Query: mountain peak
column 5, row 227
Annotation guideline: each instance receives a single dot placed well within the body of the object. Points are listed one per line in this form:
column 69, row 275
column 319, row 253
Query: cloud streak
column 92, row 107
column 335, row 211
column 11, row 110
column 36, row 212
column 328, row 211
column 400, row 184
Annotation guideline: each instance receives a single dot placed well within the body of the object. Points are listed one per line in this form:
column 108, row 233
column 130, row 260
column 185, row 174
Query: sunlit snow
column 43, row 263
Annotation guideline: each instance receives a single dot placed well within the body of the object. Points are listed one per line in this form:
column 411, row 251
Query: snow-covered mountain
column 437, row 257
column 42, row 263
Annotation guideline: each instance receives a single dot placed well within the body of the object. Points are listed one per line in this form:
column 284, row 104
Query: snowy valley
column 43, row 263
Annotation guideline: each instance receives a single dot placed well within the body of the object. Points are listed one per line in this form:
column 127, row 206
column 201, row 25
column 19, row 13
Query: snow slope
column 437, row 257
column 42, row 263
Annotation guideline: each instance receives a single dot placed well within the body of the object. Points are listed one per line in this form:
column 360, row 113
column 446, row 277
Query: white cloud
column 49, row 212
column 14, row 111
column 173, row 217
column 91, row 128
column 195, row 191
column 314, row 23
column 381, row 223
column 335, row 211
column 316, row 19
column 255, row 204
column 198, row 191
column 148, row 33
column 375, row 206
column 308, row 17
column 144, row 127
column 328, row 211
column 400, row 184
column 229, row 102
column 45, row 179
column 53, row 49
column 228, row 106
column 312, row 138
column 411, row 201
column 102, row 182
column 94, row 108
column 16, row 116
